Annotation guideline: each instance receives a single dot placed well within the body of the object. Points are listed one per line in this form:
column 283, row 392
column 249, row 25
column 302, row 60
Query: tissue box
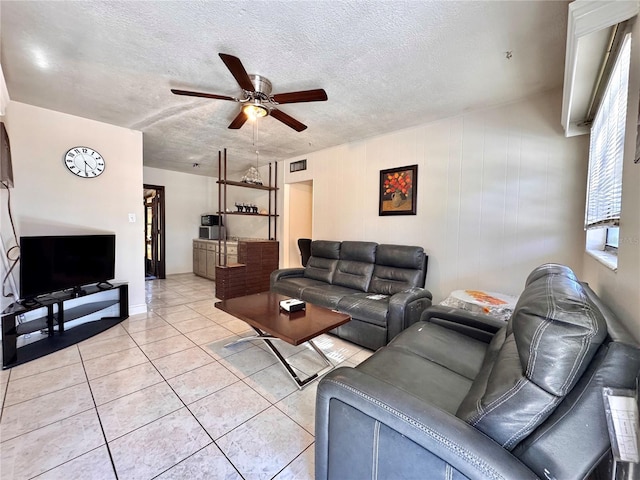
column 292, row 305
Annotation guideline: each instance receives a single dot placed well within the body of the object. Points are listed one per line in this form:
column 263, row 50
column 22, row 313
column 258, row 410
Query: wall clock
column 84, row 162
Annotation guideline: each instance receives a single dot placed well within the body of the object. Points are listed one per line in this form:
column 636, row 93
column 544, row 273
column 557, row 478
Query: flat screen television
column 53, row 263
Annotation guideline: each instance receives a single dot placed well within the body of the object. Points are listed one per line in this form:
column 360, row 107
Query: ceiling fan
column 257, row 98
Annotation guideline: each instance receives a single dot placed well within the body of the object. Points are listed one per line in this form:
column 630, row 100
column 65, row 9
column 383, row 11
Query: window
column 606, row 151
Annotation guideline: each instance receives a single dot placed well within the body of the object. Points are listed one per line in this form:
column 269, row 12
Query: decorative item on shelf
column 263, row 212
column 253, row 175
column 398, row 191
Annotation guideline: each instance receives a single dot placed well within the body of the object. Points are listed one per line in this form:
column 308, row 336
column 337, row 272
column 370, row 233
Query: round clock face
column 84, row 162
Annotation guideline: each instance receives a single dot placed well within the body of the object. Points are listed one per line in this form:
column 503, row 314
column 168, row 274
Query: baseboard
column 137, row 309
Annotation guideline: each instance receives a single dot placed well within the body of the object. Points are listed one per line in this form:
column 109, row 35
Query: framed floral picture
column 398, row 190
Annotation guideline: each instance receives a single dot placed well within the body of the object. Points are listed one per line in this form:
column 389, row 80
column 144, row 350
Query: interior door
column 154, row 232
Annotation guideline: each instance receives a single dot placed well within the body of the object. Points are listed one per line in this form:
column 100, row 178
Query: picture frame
column 398, row 191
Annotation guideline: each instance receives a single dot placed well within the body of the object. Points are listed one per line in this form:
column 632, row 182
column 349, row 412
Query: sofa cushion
column 326, row 296
column 397, row 268
column 355, row 266
column 420, row 363
column 370, row 308
column 323, row 260
column 294, row 286
column 535, row 360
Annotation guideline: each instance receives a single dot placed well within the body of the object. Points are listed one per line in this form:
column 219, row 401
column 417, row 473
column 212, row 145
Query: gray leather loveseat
column 464, row 396
column 380, row 286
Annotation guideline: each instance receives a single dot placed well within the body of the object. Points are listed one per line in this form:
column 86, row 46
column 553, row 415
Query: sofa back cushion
column 536, row 359
column 323, row 261
column 397, row 268
column 355, row 266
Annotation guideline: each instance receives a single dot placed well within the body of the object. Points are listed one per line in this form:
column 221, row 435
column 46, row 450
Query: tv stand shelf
column 12, row 327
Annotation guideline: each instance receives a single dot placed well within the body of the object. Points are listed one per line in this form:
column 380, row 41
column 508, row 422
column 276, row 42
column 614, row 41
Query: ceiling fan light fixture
column 255, row 110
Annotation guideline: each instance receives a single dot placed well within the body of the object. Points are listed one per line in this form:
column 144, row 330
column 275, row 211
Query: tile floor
column 159, row 396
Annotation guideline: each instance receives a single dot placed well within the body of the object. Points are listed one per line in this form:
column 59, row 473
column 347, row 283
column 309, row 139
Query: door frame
column 161, row 271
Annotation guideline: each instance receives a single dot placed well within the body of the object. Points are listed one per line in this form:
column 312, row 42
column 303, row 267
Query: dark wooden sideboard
column 256, row 260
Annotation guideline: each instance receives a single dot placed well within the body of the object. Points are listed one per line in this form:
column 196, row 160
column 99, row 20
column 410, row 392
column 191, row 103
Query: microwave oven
column 212, row 232
column 210, row 220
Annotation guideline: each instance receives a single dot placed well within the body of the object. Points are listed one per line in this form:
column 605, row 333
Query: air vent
column 298, row 166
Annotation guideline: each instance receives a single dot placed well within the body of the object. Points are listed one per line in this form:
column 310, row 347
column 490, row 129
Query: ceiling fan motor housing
column 262, row 87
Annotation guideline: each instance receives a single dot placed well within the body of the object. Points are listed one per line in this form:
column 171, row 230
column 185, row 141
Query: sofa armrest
column 476, row 325
column 284, row 273
column 405, row 309
column 394, row 416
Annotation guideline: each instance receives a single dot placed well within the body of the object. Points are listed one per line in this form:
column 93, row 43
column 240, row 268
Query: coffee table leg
column 266, row 338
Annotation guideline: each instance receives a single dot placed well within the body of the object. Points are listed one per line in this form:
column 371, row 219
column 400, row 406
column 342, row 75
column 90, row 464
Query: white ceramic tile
column 361, row 356
column 124, row 382
column 236, row 326
column 202, row 381
column 167, row 346
column 182, row 362
column 207, row 335
column 165, row 311
column 153, row 335
column 337, row 349
column 273, row 383
column 42, row 383
column 208, row 463
column 144, row 323
column 219, row 348
column 46, row 409
column 179, row 316
column 55, row 360
column 309, row 361
column 98, row 367
column 302, row 468
column 4, row 374
column 225, row 409
column 194, row 324
column 105, row 347
column 113, row 332
column 95, row 464
column 36, row 452
column 132, row 411
column 152, row 449
column 264, row 445
column 248, row 362
column 300, row 406
column 203, row 306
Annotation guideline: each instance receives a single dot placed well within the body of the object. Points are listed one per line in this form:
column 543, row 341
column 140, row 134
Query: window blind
column 606, row 148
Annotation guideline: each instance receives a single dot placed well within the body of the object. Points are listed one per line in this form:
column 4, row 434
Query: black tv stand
column 57, row 313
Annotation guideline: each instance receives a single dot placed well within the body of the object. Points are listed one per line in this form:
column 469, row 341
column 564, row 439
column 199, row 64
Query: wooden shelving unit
column 256, row 259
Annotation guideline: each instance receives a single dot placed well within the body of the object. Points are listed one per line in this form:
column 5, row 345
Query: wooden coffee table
column 262, row 312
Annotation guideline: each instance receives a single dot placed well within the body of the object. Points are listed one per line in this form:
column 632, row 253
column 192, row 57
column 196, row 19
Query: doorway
column 300, row 219
column 154, row 232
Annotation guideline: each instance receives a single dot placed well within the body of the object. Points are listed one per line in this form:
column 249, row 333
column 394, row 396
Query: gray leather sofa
column 464, row 396
column 380, row 286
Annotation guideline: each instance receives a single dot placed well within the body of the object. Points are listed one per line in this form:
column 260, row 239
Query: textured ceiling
column 384, row 65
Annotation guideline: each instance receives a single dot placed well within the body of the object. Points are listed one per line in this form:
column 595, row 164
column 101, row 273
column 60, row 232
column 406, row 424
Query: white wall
column 500, row 191
column 621, row 289
column 48, row 199
column 186, row 198
column 299, row 220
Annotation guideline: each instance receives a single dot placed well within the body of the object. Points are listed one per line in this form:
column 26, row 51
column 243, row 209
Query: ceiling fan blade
column 318, row 95
column 237, row 70
column 238, row 121
column 287, row 120
column 203, row 95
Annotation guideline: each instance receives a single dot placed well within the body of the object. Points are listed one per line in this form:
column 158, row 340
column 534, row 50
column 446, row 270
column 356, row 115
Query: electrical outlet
column 132, row 218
